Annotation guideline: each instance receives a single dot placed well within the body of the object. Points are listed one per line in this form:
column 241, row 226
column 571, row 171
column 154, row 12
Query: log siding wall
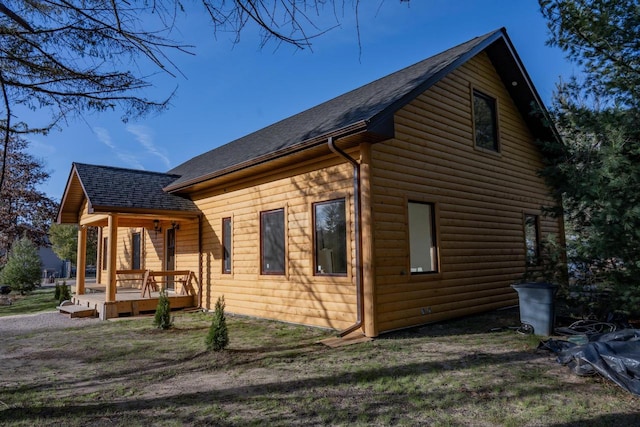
column 480, row 198
column 296, row 296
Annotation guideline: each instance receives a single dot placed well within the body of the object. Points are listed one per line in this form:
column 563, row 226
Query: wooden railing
column 131, row 276
column 157, row 280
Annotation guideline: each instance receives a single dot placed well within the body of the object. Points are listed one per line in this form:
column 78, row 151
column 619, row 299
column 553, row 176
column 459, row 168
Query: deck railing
column 157, row 280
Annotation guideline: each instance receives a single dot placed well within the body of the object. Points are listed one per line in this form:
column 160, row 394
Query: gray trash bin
column 537, row 305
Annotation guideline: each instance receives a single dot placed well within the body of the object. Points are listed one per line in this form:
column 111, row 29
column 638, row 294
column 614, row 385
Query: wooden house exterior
column 410, row 200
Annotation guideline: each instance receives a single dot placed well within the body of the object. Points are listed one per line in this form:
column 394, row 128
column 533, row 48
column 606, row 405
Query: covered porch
column 148, row 241
column 127, row 303
column 134, row 267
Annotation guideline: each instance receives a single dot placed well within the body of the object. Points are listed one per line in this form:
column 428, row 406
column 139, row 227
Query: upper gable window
column 485, row 121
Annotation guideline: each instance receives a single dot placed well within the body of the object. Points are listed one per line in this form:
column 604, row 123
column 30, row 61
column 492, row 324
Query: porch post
column 81, row 259
column 112, row 249
column 99, row 257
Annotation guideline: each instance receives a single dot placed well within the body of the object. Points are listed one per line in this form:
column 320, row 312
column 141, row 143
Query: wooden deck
column 129, row 302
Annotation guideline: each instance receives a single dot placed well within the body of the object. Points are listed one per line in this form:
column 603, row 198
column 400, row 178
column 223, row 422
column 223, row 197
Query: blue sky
column 232, row 90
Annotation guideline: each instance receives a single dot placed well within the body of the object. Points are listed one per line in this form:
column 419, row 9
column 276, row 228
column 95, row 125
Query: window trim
column 435, row 235
column 345, row 201
column 282, row 272
column 496, row 122
column 223, row 247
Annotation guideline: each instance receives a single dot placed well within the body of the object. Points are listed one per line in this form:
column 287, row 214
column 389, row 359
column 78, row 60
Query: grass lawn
column 36, row 302
column 475, row 371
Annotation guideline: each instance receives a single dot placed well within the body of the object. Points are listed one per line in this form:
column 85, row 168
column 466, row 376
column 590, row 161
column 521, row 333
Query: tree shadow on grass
column 351, row 389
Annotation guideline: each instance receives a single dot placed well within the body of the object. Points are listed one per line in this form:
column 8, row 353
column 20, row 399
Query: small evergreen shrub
column 64, row 293
column 56, row 294
column 162, row 319
column 218, row 337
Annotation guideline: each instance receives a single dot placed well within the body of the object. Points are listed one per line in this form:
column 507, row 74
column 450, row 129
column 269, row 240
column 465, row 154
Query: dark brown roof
column 369, row 108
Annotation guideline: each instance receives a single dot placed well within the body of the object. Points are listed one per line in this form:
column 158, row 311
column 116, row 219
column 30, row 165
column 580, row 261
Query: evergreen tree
column 595, row 168
column 162, row 318
column 218, row 337
column 64, row 293
column 23, row 269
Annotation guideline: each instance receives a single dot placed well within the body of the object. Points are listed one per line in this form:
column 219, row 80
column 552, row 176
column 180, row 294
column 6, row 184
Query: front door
column 170, row 261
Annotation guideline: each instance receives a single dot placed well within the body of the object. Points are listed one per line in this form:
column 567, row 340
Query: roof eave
column 388, row 112
column 352, row 129
column 145, row 211
column 523, row 96
column 67, row 190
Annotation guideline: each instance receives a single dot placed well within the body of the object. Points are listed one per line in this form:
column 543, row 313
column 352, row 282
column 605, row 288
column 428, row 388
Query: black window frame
column 489, row 101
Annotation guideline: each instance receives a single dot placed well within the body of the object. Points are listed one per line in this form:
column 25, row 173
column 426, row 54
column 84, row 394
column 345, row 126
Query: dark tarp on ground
column 614, row 355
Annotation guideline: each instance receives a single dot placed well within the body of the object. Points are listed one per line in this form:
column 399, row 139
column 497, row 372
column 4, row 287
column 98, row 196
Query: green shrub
column 162, row 319
column 64, row 293
column 218, row 337
column 23, row 269
column 56, row 294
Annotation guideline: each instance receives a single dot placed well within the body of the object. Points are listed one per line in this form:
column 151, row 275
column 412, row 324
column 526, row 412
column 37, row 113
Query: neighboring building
column 410, row 200
column 52, row 266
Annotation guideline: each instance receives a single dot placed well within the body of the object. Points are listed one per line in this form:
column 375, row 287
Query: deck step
column 77, row 311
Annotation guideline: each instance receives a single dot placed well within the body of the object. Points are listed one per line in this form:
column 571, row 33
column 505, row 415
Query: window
column 135, row 251
column 330, row 232
column 422, row 238
column 531, row 234
column 272, row 242
column 485, row 123
column 226, row 245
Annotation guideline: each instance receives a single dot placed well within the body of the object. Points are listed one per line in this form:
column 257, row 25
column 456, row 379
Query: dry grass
column 456, row 373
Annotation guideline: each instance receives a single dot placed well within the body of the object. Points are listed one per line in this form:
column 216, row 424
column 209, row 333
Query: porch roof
column 116, row 190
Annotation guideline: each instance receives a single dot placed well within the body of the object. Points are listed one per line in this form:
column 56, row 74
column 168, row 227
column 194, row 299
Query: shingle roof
column 123, row 189
column 368, row 105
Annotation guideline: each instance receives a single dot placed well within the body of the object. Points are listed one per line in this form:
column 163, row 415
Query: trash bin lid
column 534, row 285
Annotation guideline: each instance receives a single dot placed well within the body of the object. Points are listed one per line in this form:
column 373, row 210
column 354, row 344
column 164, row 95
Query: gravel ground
column 25, row 323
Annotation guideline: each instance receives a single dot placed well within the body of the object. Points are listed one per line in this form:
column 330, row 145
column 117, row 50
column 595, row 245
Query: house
column 409, row 200
column 52, row 266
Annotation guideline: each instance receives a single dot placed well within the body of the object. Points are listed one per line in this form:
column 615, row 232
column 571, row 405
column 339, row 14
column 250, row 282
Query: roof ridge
column 370, row 104
column 126, row 169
